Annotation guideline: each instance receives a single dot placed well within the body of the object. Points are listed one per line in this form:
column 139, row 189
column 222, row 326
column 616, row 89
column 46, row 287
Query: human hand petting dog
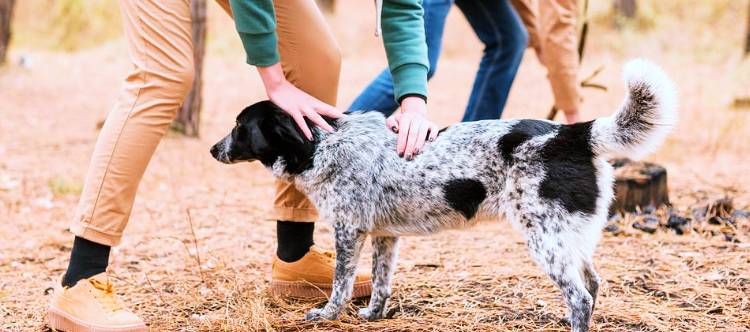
column 295, row 102
column 412, row 126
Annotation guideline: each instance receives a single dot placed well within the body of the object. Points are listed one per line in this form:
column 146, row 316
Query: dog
column 551, row 181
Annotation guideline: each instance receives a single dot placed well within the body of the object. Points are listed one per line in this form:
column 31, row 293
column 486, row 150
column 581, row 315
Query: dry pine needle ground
column 479, row 279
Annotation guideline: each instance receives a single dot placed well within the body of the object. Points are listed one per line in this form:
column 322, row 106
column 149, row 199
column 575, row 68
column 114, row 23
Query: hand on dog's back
column 412, row 126
column 295, row 102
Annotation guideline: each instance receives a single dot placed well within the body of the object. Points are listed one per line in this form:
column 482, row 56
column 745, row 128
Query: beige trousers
column 552, row 29
column 160, row 47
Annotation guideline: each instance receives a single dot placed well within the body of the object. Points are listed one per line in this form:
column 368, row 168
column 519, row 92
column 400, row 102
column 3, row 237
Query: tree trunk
column 626, row 8
column 6, row 12
column 188, row 119
column 747, row 34
column 638, row 185
column 327, row 5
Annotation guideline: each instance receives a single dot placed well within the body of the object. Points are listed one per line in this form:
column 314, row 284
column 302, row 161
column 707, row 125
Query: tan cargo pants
column 552, row 28
column 160, row 46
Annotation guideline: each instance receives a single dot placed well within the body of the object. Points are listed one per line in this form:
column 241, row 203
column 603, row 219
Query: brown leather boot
column 90, row 306
column 312, row 276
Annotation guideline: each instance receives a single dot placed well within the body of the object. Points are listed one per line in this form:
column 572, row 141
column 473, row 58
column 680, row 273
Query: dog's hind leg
column 563, row 263
column 384, row 256
column 349, row 243
column 592, row 280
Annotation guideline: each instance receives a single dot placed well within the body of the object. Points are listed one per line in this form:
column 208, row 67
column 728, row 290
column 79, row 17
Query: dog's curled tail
column 646, row 116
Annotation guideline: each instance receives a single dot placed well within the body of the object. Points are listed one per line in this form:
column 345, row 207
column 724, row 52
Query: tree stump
column 638, row 185
column 188, row 118
column 6, row 12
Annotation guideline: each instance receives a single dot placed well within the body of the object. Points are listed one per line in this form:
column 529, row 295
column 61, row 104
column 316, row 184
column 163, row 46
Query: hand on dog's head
column 264, row 132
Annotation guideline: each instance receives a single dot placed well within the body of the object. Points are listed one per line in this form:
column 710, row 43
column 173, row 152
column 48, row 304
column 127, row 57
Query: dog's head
column 264, row 132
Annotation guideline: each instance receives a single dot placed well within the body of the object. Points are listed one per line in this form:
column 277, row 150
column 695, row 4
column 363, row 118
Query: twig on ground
column 195, row 242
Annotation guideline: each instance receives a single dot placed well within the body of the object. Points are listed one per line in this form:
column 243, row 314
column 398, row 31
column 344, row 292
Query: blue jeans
column 497, row 25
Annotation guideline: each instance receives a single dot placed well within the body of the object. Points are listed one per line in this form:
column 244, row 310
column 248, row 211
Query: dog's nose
column 215, row 151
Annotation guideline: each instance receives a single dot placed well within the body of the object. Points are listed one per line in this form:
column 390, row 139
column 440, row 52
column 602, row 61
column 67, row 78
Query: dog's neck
column 332, row 151
column 294, row 163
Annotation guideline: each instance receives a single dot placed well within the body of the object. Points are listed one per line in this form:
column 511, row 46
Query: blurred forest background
column 65, row 63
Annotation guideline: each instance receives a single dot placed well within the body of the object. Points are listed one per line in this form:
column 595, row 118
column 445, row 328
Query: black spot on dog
column 465, row 195
column 571, row 175
column 521, row 132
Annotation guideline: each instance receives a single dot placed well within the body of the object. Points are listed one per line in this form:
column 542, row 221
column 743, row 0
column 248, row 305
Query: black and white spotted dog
column 551, row 181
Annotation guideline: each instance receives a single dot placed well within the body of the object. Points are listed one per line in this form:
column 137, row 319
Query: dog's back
column 446, row 185
column 493, row 167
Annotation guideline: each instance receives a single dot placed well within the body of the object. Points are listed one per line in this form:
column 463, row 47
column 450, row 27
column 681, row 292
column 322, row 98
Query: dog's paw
column 370, row 315
column 320, row 314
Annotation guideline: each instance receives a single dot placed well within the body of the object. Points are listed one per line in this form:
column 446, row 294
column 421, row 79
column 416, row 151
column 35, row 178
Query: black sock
column 294, row 239
column 87, row 259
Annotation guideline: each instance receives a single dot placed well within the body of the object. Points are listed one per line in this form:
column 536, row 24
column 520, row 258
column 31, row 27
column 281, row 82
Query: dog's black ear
column 283, row 129
column 287, row 141
column 289, row 132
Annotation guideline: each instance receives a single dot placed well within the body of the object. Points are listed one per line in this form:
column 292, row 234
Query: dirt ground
column 196, row 254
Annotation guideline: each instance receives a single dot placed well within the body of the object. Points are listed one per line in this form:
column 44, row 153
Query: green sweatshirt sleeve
column 256, row 23
column 403, row 37
column 405, row 47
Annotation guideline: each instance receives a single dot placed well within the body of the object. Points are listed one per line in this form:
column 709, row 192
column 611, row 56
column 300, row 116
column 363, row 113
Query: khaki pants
column 160, row 46
column 551, row 25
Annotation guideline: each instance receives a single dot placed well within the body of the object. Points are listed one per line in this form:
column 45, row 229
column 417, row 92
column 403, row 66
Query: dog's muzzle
column 219, row 152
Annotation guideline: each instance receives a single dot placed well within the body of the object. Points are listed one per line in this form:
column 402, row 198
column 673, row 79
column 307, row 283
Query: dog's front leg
column 384, row 256
column 349, row 243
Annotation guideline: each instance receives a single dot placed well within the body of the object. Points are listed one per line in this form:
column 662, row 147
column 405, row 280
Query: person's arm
column 405, row 46
column 256, row 25
column 406, row 50
column 559, row 53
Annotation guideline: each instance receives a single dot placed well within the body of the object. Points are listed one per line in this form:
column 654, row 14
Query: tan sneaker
column 312, row 276
column 90, row 306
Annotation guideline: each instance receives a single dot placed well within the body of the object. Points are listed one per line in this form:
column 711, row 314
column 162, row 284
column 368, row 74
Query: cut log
column 638, row 186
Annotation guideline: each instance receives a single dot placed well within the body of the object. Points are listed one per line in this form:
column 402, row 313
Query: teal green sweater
column 403, row 37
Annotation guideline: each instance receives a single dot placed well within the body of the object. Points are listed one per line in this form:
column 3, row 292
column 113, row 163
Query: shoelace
column 107, row 295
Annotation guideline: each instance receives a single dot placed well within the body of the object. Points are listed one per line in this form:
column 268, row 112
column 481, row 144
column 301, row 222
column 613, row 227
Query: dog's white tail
column 646, row 116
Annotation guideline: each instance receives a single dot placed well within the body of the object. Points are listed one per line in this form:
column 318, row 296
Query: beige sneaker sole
column 302, row 289
column 57, row 320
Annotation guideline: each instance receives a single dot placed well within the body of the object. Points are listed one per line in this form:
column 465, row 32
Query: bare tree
column 6, row 12
column 188, row 119
column 626, row 8
column 327, row 5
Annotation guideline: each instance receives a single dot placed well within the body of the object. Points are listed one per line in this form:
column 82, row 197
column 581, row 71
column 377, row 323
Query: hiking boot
column 312, row 276
column 90, row 306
